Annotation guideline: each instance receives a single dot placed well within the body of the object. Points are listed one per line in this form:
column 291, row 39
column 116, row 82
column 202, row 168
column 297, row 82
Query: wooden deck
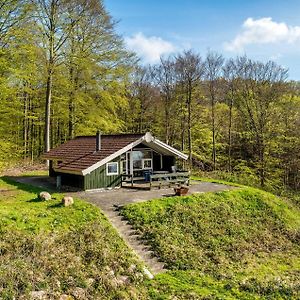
column 156, row 180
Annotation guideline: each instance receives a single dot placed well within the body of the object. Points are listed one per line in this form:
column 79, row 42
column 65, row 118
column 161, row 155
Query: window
column 147, row 163
column 142, row 159
column 123, row 166
column 112, row 168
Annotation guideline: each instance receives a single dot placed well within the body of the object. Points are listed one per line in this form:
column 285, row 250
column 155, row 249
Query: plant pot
column 181, row 191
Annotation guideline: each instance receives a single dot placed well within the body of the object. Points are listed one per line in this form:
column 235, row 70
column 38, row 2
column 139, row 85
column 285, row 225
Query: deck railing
column 158, row 180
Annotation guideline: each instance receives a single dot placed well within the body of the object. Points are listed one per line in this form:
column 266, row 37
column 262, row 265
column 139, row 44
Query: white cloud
column 263, row 31
column 149, row 48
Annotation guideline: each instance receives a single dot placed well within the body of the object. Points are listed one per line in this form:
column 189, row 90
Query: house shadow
column 19, row 184
column 34, row 200
column 56, row 205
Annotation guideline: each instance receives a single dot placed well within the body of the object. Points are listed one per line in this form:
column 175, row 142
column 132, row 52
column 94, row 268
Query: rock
column 79, row 293
column 111, row 273
column 38, row 295
column 132, row 268
column 123, row 280
column 147, row 273
column 139, row 276
column 67, row 200
column 90, row 282
column 45, row 196
column 107, row 268
column 65, row 297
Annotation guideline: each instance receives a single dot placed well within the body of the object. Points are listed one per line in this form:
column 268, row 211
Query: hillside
column 47, row 250
column 239, row 244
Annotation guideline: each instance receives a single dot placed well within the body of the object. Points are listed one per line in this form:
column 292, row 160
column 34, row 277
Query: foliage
column 246, row 238
column 70, row 52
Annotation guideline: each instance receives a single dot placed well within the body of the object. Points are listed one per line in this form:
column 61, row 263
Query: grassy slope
column 239, row 244
column 45, row 246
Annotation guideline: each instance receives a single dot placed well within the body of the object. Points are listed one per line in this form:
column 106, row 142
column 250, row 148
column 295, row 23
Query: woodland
column 64, row 72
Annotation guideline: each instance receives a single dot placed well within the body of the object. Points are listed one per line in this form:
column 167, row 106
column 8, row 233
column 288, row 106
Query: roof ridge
column 113, row 134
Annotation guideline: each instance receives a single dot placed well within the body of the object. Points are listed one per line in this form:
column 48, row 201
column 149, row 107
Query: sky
column 263, row 30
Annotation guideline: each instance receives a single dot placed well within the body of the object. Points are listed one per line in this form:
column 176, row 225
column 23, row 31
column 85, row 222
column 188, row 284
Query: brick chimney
column 98, row 141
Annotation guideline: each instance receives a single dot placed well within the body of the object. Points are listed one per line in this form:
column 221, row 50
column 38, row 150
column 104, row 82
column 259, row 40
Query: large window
column 112, row 168
column 142, row 159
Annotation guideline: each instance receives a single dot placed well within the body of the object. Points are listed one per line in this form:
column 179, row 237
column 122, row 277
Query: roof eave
column 148, row 138
column 114, row 155
column 65, row 171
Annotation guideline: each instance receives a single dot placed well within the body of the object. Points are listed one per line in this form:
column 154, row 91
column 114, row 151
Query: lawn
column 240, row 244
column 56, row 250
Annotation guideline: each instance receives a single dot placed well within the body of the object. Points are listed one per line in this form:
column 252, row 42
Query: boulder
column 67, row 201
column 79, row 293
column 132, row 269
column 66, row 297
column 123, row 280
column 38, row 295
column 44, row 196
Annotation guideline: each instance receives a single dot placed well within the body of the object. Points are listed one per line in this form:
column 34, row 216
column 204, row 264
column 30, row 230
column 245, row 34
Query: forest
column 64, row 72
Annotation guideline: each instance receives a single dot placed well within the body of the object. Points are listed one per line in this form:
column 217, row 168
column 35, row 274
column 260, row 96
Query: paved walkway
column 109, row 201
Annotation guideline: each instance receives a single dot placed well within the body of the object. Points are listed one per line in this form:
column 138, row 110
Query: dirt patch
column 7, row 192
column 24, row 168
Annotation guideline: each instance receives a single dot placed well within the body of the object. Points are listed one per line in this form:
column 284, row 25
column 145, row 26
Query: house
column 102, row 161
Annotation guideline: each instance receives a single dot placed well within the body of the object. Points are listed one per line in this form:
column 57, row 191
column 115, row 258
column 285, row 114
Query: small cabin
column 107, row 161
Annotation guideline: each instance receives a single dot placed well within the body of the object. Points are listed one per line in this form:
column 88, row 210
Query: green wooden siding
column 98, row 178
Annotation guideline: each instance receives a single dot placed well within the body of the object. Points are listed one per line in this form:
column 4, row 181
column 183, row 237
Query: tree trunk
column 229, row 135
column 262, row 174
column 48, row 110
column 71, row 104
column 190, row 125
column 213, row 132
column 25, row 123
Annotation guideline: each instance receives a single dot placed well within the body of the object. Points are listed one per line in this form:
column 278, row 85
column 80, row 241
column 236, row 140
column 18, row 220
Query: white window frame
column 112, row 163
column 143, row 163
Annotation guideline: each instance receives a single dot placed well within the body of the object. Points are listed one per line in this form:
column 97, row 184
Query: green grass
column 49, row 247
column 242, row 244
column 22, row 210
column 224, row 245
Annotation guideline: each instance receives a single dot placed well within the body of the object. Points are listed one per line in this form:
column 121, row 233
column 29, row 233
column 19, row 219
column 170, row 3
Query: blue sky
column 261, row 29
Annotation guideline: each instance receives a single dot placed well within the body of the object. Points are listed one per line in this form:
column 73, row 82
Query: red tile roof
column 80, row 153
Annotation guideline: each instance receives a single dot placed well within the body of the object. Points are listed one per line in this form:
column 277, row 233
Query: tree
column 230, row 77
column 262, row 85
column 53, row 19
column 165, row 75
column 190, row 69
column 213, row 69
column 12, row 12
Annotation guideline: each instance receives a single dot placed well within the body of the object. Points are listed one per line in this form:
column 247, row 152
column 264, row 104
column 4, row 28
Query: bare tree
column 262, row 85
column 230, row 77
column 213, row 69
column 143, row 95
column 165, row 77
column 190, row 70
